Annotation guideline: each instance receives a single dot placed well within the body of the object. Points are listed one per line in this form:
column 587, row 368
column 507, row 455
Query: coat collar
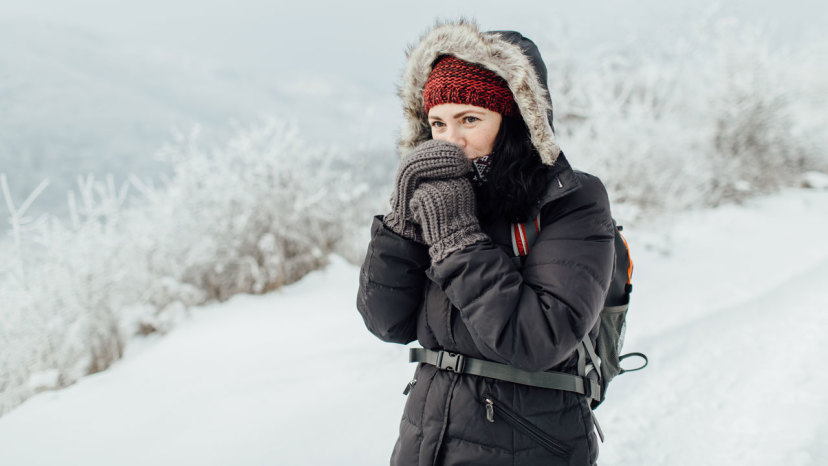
column 562, row 181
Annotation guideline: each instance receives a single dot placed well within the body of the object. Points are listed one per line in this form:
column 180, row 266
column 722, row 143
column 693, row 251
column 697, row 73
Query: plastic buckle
column 595, row 390
column 451, row 361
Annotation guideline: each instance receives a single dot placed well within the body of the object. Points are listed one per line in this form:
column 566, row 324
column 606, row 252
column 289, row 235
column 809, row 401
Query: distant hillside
column 76, row 102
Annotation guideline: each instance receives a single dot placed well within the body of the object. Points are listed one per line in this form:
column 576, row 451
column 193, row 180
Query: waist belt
column 460, row 364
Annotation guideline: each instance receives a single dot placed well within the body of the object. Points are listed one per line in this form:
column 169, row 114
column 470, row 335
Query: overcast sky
column 365, row 40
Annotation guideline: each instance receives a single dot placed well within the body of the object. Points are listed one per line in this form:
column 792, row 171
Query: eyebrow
column 459, row 114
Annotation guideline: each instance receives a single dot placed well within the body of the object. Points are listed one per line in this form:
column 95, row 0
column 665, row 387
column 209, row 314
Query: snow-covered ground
column 728, row 304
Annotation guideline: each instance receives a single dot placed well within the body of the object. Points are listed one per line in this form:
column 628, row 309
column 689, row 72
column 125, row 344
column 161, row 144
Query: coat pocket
column 497, row 410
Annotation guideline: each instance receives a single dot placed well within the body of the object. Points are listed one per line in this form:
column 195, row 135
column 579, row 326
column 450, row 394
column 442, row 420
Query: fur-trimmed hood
column 513, row 57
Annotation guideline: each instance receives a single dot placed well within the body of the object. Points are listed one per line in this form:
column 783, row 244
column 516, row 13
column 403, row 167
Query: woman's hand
column 445, row 211
column 431, row 160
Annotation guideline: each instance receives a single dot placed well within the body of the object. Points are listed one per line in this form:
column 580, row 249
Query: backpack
column 603, row 360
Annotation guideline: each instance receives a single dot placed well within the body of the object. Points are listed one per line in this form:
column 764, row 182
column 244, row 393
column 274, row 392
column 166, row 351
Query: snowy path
column 288, row 378
column 742, row 386
column 293, row 378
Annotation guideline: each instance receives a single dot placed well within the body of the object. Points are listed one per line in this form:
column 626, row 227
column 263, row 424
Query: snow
column 814, row 179
column 728, row 305
column 253, row 380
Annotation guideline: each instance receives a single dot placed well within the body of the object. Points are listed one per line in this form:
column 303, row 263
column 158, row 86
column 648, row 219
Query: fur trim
column 464, row 40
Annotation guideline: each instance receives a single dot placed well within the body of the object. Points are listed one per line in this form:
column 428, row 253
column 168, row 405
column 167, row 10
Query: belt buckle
column 451, row 361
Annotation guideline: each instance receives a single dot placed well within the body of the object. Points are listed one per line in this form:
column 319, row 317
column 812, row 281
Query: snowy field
column 729, row 304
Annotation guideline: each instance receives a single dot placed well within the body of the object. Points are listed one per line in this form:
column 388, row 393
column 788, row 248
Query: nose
column 455, row 136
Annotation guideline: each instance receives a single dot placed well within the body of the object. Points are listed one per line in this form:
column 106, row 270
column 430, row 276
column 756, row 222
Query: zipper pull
column 409, row 386
column 489, row 410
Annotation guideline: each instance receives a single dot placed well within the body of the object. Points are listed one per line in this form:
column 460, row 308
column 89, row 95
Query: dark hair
column 516, row 176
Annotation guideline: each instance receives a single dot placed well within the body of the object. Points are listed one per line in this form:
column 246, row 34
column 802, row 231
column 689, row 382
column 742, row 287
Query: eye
column 470, row 119
column 437, row 124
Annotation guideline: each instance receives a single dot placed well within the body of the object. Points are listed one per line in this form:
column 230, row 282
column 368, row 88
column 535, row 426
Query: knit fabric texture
column 459, row 82
column 431, row 160
column 445, row 211
column 481, row 169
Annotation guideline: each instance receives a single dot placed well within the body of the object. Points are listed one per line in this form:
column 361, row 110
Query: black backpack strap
column 629, row 355
column 460, row 364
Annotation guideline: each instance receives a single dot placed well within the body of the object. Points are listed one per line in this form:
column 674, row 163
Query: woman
column 479, row 155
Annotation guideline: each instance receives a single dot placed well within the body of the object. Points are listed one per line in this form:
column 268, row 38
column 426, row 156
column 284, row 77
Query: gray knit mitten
column 431, row 160
column 445, row 211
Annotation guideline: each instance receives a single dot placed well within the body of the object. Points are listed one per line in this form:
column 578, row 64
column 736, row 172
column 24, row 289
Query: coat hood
column 513, row 57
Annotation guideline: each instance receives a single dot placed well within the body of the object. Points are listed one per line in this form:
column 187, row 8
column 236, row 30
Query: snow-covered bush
column 251, row 216
column 246, row 216
column 712, row 118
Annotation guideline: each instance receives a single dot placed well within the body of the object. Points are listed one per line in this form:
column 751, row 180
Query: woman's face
column 472, row 128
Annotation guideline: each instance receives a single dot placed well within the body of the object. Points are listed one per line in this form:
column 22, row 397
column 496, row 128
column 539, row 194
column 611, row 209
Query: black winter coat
column 478, row 303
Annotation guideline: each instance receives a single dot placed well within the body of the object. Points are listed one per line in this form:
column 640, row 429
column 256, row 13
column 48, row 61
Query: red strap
column 520, row 240
column 519, row 231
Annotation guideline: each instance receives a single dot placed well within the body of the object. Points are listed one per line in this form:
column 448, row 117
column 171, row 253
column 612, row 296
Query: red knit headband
column 459, row 82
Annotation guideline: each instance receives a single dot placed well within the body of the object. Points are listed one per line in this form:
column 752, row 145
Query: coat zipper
column 410, row 386
column 524, row 426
